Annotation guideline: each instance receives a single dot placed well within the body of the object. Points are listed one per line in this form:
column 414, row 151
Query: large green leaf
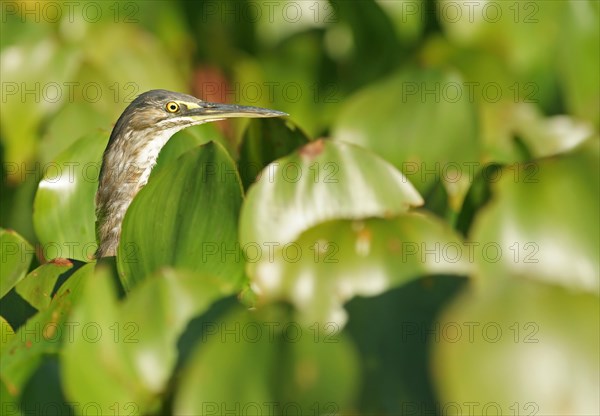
column 160, row 311
column 185, row 140
column 520, row 347
column 335, row 261
column 543, row 222
column 64, row 211
column 420, row 120
column 129, row 358
column 185, row 217
column 263, row 363
column 323, row 180
column 43, row 334
column 264, row 141
column 94, row 365
column 38, row 285
column 16, row 255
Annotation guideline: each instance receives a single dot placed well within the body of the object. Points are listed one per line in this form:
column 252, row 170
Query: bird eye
column 172, row 107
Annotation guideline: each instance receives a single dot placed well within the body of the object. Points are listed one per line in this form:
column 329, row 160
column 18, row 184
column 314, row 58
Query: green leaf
column 408, row 19
column 186, row 217
column 160, row 310
column 520, row 347
column 578, row 67
column 42, row 334
column 76, row 119
column 335, row 261
column 93, row 363
column 549, row 136
column 505, row 29
column 144, row 63
column 185, row 140
column 16, row 255
column 534, row 226
column 323, row 180
column 64, row 209
column 263, row 363
column 38, row 285
column 133, row 351
column 406, row 120
column 33, row 74
column 264, row 141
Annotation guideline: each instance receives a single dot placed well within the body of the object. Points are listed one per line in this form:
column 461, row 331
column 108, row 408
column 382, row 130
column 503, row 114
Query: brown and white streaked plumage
column 135, row 142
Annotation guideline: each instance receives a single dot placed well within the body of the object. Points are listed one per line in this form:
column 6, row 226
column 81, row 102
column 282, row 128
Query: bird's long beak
column 220, row 111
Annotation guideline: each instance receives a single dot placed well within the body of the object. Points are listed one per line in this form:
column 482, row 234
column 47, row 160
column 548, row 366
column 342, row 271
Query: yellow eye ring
column 172, row 107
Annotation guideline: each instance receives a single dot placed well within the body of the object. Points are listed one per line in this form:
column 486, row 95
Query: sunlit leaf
column 64, row 208
column 16, row 255
column 332, row 262
column 185, row 217
column 534, row 226
column 321, row 181
column 549, row 136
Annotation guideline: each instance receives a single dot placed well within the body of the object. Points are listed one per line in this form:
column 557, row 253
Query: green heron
column 135, row 142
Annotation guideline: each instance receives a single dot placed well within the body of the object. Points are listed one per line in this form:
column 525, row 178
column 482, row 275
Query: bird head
column 162, row 110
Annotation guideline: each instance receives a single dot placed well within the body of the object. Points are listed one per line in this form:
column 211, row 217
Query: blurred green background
column 446, row 209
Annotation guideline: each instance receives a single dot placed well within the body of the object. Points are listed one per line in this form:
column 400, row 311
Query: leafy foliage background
column 421, row 236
